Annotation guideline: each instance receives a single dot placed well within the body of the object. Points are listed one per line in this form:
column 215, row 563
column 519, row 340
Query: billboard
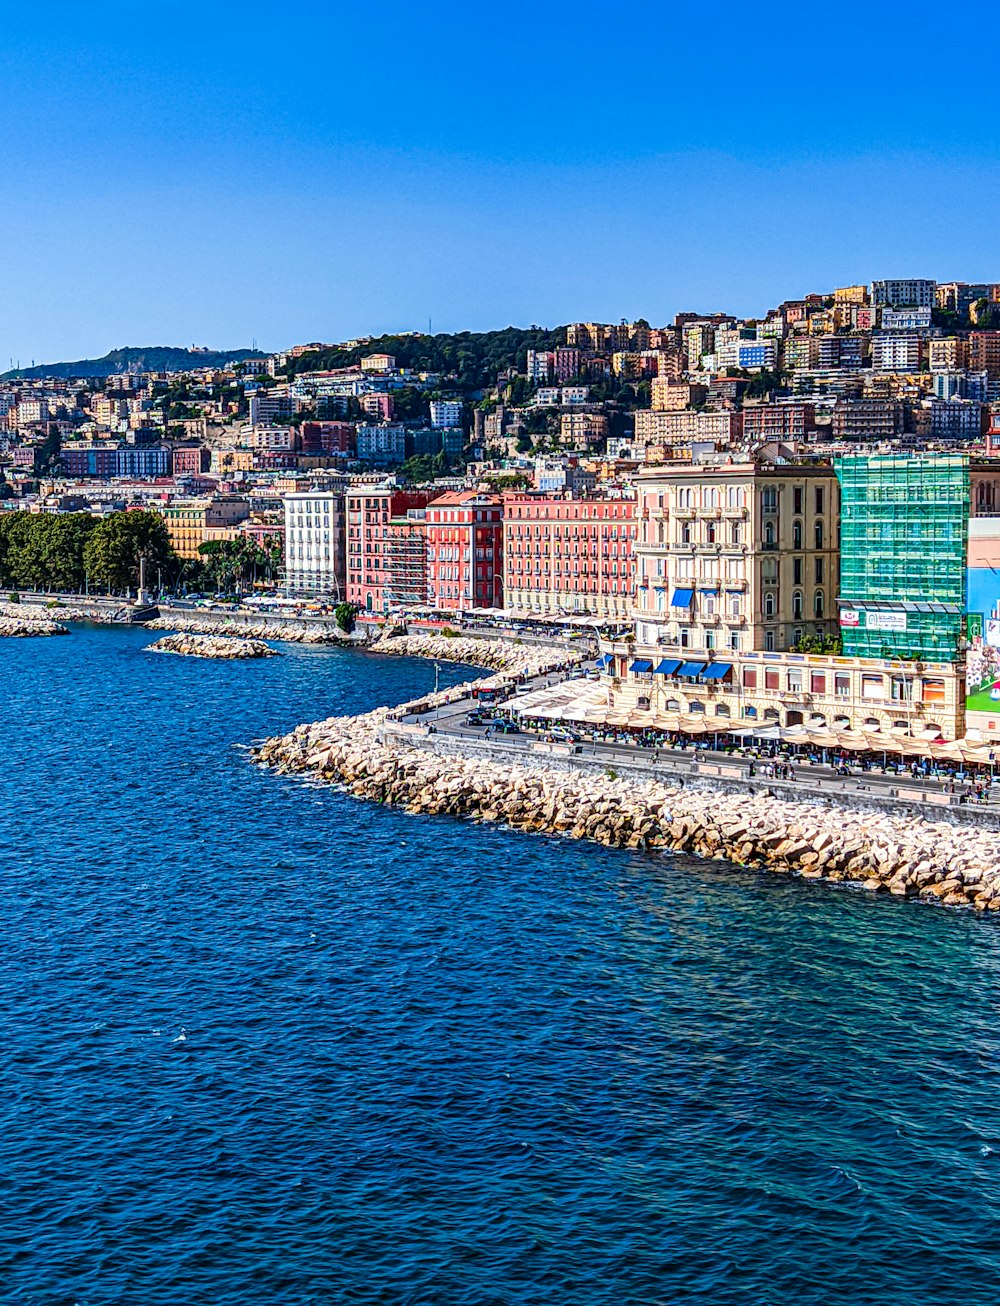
column 982, row 659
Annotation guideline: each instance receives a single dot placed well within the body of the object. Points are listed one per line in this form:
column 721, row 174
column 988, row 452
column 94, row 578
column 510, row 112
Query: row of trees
column 75, row 551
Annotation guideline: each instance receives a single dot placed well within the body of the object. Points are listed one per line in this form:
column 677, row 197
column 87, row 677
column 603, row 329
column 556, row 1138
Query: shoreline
column 906, row 856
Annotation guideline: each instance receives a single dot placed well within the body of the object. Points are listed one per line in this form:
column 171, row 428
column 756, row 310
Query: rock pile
column 212, row 646
column 287, row 632
column 34, row 624
column 494, row 654
column 907, row 857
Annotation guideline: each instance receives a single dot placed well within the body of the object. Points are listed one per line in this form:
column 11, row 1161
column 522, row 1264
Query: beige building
column 582, row 430
column 191, row 522
column 670, row 396
column 669, row 428
column 738, row 573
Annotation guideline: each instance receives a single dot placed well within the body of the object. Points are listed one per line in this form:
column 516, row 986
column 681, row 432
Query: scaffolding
column 903, row 549
column 405, row 562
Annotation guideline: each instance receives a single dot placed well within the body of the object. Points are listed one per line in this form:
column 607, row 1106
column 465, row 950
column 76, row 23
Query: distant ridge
column 151, row 358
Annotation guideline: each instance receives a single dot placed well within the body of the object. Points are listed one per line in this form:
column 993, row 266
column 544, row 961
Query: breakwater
column 247, row 626
column 500, row 655
column 213, row 646
column 17, row 622
column 903, row 855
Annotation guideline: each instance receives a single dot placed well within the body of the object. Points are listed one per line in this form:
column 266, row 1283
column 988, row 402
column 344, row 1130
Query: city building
column 906, row 319
column 957, row 419
column 192, row 522
column 984, row 353
column 465, row 551
column 860, row 421
column 384, row 444
column 386, row 547
column 446, row 412
column 566, row 556
column 669, row 428
column 778, row 421
column 897, row 353
column 315, row 554
column 904, row 293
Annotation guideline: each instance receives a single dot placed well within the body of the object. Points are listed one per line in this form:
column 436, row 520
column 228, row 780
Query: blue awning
column 605, row 660
column 681, row 598
column 691, row 669
column 668, row 666
column 641, row 664
column 707, row 589
column 716, row 670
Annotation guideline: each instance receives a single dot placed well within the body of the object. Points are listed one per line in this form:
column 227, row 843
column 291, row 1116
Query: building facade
column 386, row 547
column 465, row 551
column 315, row 554
column 564, row 556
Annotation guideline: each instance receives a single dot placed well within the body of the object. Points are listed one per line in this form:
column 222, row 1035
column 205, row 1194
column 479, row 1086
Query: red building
column 328, row 438
column 569, row 556
column 465, row 551
column 190, row 460
column 386, row 547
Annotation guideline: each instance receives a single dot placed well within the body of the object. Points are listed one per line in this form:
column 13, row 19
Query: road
column 450, row 719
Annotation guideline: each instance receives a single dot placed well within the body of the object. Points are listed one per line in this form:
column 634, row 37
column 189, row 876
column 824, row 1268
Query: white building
column 314, row 543
column 892, row 353
column 907, row 319
column 446, row 412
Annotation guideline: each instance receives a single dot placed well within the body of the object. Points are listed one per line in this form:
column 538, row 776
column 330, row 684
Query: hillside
column 476, row 357
column 152, row 358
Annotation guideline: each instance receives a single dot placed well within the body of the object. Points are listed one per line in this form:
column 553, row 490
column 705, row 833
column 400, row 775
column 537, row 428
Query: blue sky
column 217, row 172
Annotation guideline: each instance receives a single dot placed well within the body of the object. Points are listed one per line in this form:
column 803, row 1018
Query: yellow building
column 738, row 572
column 192, row 522
column 851, row 295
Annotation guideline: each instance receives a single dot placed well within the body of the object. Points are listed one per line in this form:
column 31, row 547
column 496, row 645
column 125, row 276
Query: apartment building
column 566, row 556
column 947, row 354
column 904, row 293
column 779, row 421
column 582, row 431
column 386, row 547
column 862, row 420
column 383, row 445
column 984, row 353
column 898, row 353
column 315, row 554
column 668, row 428
column 465, row 551
column 446, row 412
column 957, row 419
column 192, row 522
column 670, row 396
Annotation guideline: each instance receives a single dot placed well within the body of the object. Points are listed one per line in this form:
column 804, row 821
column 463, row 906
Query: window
column 735, row 533
column 771, row 678
column 734, row 641
column 842, row 684
column 769, row 499
column 769, row 641
column 750, row 677
column 795, row 680
column 819, row 534
column 709, row 639
column 797, row 499
column 872, row 686
column 797, row 571
column 686, row 533
column 768, row 535
column 817, row 682
column 768, row 605
column 797, row 605
column 818, row 571
column 933, row 691
column 901, row 689
column 819, row 496
column 796, row 535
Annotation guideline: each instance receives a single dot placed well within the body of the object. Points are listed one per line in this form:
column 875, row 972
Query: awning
column 707, row 589
column 691, row 669
column 716, row 670
column 641, row 664
column 605, row 660
column 667, row 667
column 681, row 598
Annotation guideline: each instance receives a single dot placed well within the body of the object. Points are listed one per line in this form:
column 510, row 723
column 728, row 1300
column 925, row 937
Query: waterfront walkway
column 700, row 759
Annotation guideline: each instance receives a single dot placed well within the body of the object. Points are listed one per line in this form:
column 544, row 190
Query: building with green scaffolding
column 903, row 546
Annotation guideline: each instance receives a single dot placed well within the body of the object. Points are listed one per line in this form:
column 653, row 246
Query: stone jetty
column 17, row 627
column 906, row 856
column 212, row 646
column 493, row 654
column 286, row 632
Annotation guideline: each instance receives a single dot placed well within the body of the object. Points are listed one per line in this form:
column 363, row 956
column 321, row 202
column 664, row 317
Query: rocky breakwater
column 18, row 627
column 903, row 856
column 27, row 611
column 213, row 646
column 285, row 632
column 502, row 655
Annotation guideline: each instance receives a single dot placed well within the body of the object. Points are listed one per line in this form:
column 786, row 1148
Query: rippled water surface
column 262, row 1043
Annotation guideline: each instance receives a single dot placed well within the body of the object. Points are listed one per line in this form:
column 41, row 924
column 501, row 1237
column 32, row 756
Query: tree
column 344, row 614
column 116, row 544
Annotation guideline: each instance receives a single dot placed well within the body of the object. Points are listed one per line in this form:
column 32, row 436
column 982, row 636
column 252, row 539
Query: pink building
column 378, row 406
column 465, row 551
column 190, row 460
column 386, row 547
column 564, row 556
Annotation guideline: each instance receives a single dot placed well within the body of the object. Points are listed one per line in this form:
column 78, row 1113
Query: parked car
column 478, row 718
column 560, row 735
column 507, row 727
